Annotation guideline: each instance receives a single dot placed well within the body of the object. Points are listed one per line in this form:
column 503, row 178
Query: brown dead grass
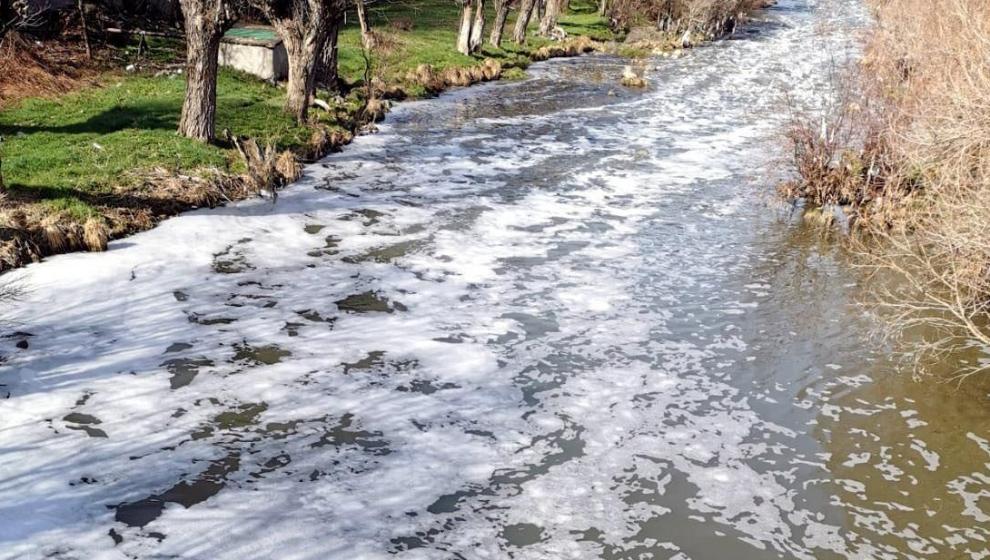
column 909, row 145
column 46, row 69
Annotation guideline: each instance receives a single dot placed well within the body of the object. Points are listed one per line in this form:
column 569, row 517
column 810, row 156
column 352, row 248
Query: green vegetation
column 109, row 136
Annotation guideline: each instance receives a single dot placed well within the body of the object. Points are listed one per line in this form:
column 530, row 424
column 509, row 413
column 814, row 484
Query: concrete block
column 256, row 50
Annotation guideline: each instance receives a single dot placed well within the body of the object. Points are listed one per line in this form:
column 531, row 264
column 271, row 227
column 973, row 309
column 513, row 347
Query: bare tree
column 205, row 23
column 304, row 26
column 478, row 28
column 464, row 34
column 550, row 17
column 327, row 71
column 16, row 15
column 522, row 21
column 367, row 37
column 498, row 26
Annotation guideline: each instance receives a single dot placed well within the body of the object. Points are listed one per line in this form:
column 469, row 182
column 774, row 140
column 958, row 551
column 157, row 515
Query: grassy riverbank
column 104, row 160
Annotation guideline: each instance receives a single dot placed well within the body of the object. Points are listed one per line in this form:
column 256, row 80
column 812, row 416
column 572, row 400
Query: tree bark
column 464, row 35
column 304, row 27
column 85, row 29
column 205, row 23
column 550, row 17
column 301, row 86
column 522, row 22
column 498, row 26
column 366, row 39
column 478, row 28
column 327, row 74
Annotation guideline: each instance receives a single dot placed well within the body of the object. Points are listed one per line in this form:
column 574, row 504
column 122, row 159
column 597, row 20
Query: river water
column 546, row 319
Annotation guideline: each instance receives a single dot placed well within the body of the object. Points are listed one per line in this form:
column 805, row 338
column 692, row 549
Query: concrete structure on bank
column 257, row 50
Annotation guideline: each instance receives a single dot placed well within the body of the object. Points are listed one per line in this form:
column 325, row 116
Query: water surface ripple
column 546, row 319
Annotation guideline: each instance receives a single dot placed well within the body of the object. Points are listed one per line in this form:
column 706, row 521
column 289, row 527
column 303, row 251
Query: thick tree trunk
column 304, row 27
column 205, row 22
column 327, row 75
column 199, row 108
column 464, row 35
column 498, row 26
column 478, row 29
column 550, row 17
column 301, row 87
column 522, row 22
column 602, row 7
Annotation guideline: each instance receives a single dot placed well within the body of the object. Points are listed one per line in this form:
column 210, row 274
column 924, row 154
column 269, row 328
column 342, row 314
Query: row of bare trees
column 308, row 29
column 472, row 25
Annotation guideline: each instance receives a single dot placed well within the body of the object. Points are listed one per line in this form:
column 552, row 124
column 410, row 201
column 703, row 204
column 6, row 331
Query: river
column 553, row 318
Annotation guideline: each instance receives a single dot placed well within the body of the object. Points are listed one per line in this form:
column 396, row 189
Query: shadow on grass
column 150, row 115
column 158, row 203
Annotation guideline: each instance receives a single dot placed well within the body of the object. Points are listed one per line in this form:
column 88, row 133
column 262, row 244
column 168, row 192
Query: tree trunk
column 199, row 109
column 564, row 6
column 522, row 22
column 366, row 39
column 301, row 86
column 205, row 22
column 478, row 29
column 498, row 27
column 304, row 27
column 541, row 6
column 85, row 30
column 550, row 17
column 602, row 7
column 327, row 75
column 464, row 35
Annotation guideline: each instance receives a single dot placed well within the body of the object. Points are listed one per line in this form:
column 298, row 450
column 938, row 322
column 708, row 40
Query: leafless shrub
column 915, row 151
column 841, row 153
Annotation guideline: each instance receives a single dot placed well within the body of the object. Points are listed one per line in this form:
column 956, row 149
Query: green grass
column 434, row 32
column 103, row 137
column 97, row 138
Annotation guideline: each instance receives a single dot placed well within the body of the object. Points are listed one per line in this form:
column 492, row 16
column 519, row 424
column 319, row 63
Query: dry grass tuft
column 288, row 167
column 95, row 235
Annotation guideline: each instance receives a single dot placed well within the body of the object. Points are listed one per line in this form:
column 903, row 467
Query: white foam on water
column 444, row 333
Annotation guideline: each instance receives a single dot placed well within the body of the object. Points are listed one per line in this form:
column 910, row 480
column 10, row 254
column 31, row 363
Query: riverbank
column 532, row 320
column 102, row 162
column 86, row 166
column 901, row 151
